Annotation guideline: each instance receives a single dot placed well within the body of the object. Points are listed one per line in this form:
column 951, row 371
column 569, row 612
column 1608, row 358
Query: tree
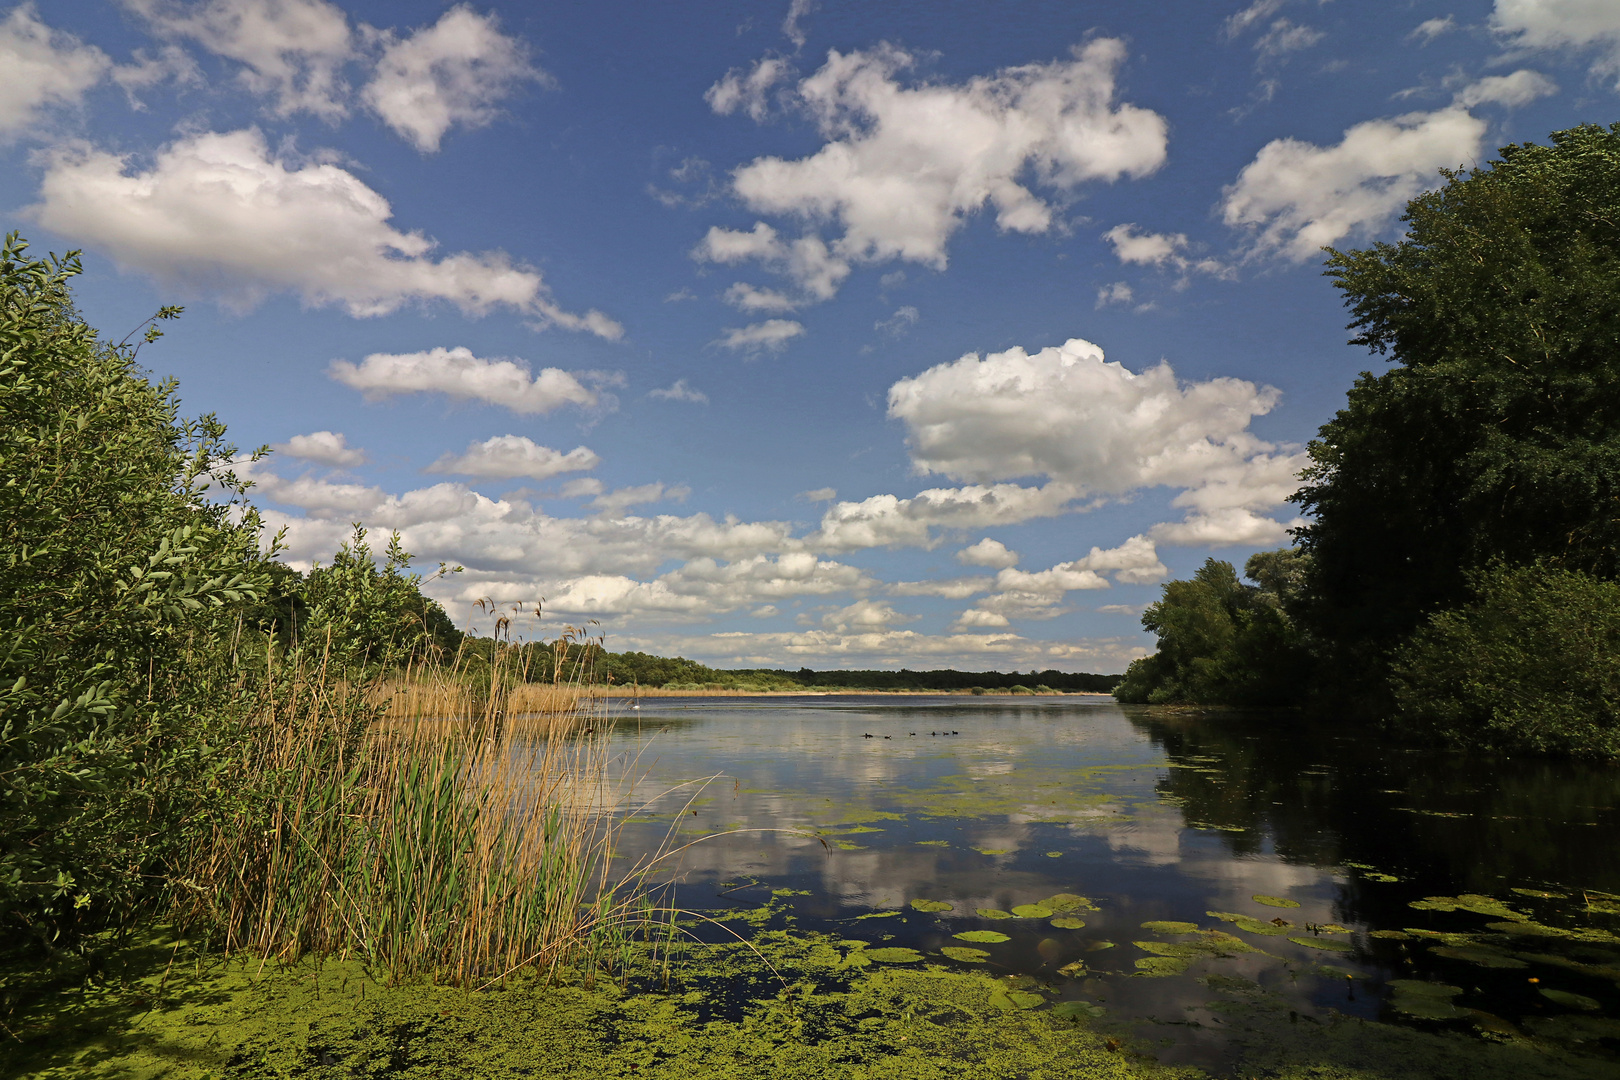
column 1496, row 434
column 1222, row 642
column 357, row 615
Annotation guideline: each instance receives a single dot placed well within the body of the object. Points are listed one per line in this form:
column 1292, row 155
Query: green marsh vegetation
column 1456, row 574
column 196, row 740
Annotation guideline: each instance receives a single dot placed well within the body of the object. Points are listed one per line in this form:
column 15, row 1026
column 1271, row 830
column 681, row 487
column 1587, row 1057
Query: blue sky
column 830, row 334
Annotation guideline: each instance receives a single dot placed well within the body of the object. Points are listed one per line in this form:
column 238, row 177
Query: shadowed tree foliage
column 1496, row 434
column 1531, row 663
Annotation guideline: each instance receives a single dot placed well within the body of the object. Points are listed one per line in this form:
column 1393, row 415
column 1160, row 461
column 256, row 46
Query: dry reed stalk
column 468, row 843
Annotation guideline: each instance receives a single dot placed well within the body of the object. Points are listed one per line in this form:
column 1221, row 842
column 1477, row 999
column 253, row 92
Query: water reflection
column 1296, row 851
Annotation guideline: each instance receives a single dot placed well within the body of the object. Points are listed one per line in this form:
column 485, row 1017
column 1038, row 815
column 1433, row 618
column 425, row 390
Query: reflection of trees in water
column 1444, row 823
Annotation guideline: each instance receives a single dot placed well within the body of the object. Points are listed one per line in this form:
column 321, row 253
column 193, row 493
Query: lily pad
column 1249, row 924
column 1572, row 1028
column 985, row 936
column 878, row 915
column 993, row 850
column 1328, row 971
column 1193, row 946
column 1098, row 946
column 965, row 955
column 1065, row 902
column 1535, row 929
column 1160, row 966
column 1078, row 1010
column 930, row 905
column 1014, row 1000
column 993, row 913
column 1073, row 970
column 1275, row 901
column 1391, row 935
column 1425, row 1000
column 1068, row 922
column 1054, row 854
column 1541, row 894
column 1570, row 1001
column 1169, row 927
column 1032, row 911
column 893, row 956
column 1479, row 905
column 1325, row 943
column 1476, row 955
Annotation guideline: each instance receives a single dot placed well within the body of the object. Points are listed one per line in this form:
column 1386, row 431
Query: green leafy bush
column 126, row 559
column 1532, row 663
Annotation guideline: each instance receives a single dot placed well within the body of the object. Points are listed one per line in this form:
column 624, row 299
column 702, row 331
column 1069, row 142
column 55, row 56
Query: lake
column 1175, row 872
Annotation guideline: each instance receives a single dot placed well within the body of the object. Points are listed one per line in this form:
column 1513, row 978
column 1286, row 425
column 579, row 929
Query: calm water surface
column 1309, row 848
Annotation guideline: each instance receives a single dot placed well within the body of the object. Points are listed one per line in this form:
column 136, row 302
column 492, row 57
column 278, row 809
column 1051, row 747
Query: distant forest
column 593, row 663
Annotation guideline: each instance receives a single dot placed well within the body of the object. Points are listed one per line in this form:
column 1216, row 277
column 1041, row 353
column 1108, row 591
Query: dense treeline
column 1458, row 568
column 591, row 662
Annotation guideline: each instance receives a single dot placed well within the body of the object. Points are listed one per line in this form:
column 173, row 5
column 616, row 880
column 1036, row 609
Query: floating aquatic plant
column 930, row 905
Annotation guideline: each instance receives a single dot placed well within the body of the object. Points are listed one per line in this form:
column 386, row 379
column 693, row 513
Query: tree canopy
column 1496, row 434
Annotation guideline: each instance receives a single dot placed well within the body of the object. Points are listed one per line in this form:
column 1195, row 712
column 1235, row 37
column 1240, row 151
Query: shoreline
column 648, row 692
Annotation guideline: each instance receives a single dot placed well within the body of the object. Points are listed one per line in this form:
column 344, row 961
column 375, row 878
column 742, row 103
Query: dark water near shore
column 994, row 803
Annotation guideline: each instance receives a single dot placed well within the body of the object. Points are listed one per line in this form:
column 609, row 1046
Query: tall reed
column 464, row 843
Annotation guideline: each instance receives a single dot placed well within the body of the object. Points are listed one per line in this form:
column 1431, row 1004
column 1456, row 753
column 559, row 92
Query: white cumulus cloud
column 41, row 69
column 1039, row 594
column 905, row 165
column 325, row 447
column 218, row 213
column 1159, row 250
column 507, row 456
column 457, row 373
column 1094, row 428
column 988, row 552
column 1297, row 197
column 291, row 50
column 454, row 72
column 891, row 521
column 1519, row 88
column 1575, row 25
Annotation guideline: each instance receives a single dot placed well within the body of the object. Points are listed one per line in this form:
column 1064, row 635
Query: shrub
column 123, row 579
